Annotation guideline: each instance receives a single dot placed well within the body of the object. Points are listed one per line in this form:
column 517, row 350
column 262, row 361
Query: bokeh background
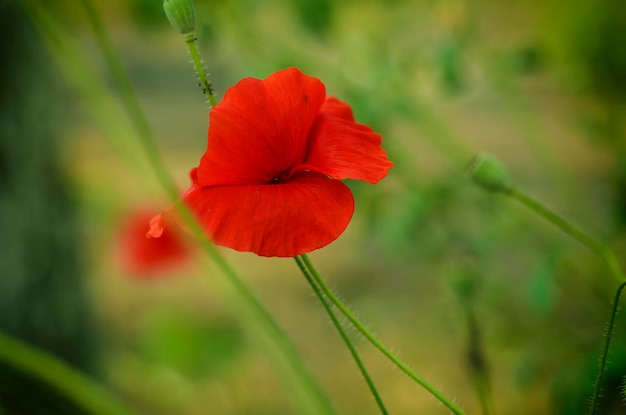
column 465, row 285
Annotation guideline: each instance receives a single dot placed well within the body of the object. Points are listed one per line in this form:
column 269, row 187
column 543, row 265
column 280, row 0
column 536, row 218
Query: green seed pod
column 489, row 172
column 182, row 15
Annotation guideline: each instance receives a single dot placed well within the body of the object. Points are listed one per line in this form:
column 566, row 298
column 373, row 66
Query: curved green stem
column 207, row 88
column 604, row 252
column 375, row 342
column 555, row 219
column 40, row 365
column 252, row 306
column 81, row 75
column 343, row 334
column 605, row 350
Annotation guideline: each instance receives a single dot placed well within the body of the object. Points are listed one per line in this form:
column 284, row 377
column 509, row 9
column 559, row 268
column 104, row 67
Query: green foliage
column 439, row 80
column 194, row 348
column 598, row 47
column 147, row 13
column 541, row 285
column 315, row 15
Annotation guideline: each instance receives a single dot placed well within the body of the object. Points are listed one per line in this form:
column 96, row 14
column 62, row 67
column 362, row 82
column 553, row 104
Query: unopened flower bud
column 489, row 172
column 182, row 15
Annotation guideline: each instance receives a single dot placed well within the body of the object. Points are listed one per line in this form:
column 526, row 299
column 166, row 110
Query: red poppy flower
column 269, row 181
column 148, row 257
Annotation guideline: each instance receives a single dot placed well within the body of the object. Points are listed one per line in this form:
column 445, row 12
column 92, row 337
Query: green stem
column 255, row 309
column 604, row 252
column 40, row 365
column 605, row 350
column 553, row 218
column 71, row 59
column 375, row 342
column 343, row 334
column 207, row 88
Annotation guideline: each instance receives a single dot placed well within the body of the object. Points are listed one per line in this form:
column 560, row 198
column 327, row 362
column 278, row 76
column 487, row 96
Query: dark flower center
column 281, row 178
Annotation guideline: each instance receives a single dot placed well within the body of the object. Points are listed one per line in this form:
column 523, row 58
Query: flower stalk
column 598, row 248
column 374, row 341
column 282, row 353
column 601, row 250
column 205, row 83
column 355, row 355
column 605, row 350
column 182, row 16
column 314, row 397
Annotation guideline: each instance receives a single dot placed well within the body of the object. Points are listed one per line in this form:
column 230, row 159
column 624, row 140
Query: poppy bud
column 489, row 172
column 182, row 15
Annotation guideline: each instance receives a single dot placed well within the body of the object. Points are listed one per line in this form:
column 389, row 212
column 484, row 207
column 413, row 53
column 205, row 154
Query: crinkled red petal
column 306, row 212
column 259, row 130
column 341, row 148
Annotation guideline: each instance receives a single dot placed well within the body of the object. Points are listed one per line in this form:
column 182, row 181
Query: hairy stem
column 342, row 333
column 605, row 253
column 605, row 351
column 375, row 342
column 207, row 88
column 601, row 250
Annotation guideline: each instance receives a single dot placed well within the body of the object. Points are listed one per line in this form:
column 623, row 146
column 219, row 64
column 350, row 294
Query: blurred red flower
column 149, row 257
column 269, row 181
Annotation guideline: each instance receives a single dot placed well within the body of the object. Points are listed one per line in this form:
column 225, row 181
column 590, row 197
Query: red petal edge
column 304, row 213
column 344, row 149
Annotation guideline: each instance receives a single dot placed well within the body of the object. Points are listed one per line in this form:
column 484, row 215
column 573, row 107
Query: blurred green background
column 458, row 281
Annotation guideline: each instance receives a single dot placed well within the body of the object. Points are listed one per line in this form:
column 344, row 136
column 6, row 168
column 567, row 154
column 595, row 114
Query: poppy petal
column 147, row 257
column 304, row 213
column 341, row 148
column 259, row 130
